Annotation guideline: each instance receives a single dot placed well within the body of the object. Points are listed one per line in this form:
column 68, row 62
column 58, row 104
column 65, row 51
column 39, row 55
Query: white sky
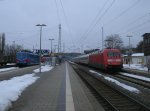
column 19, row 17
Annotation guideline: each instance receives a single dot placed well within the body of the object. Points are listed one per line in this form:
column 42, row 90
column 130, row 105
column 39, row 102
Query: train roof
column 85, row 55
column 104, row 50
column 27, row 52
column 98, row 51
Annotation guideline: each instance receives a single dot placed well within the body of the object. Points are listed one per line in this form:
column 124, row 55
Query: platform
column 60, row 89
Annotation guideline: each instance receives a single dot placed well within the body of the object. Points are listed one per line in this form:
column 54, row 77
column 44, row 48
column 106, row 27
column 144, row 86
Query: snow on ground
column 12, row 89
column 44, row 68
column 11, row 64
column 132, row 89
column 7, row 69
column 135, row 66
column 136, row 76
column 129, row 88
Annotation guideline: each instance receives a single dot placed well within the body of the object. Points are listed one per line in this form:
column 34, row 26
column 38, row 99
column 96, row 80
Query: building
column 136, row 58
column 146, row 40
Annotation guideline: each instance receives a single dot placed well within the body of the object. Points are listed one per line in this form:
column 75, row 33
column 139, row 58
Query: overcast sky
column 81, row 21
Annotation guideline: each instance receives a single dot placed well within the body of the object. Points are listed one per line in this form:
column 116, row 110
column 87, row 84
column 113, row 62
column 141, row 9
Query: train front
column 22, row 59
column 113, row 59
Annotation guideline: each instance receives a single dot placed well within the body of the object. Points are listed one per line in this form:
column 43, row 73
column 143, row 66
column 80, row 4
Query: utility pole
column 40, row 25
column 14, row 47
column 55, row 48
column 14, row 44
column 33, row 48
column 102, row 38
column 59, row 40
column 51, row 44
column 63, row 47
column 129, row 53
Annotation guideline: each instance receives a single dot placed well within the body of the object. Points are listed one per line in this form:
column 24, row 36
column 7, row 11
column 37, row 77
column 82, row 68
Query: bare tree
column 139, row 47
column 114, row 41
column 12, row 49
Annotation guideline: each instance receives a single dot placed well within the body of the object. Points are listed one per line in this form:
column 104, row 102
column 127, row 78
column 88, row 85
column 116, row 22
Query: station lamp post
column 40, row 25
column 51, row 44
column 129, row 53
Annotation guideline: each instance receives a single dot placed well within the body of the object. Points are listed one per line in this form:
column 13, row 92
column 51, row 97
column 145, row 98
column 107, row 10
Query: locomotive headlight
column 118, row 60
column 110, row 60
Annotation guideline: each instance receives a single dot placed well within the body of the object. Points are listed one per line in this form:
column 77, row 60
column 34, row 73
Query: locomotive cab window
column 113, row 54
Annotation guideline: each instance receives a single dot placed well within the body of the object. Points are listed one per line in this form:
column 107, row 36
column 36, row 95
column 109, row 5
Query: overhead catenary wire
column 139, row 25
column 140, row 29
column 58, row 14
column 133, row 22
column 122, row 13
column 95, row 19
column 66, row 21
column 99, row 19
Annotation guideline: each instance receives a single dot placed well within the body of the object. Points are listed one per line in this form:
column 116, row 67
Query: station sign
column 43, row 51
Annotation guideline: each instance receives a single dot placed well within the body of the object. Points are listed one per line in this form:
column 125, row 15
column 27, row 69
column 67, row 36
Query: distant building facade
column 146, row 39
column 136, row 58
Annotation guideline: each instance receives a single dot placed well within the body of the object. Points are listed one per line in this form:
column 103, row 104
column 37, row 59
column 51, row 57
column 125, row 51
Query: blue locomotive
column 26, row 58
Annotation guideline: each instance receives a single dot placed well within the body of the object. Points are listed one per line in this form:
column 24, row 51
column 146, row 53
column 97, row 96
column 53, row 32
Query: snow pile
column 12, row 89
column 11, row 64
column 135, row 66
column 132, row 89
column 129, row 88
column 7, row 69
column 44, row 68
column 95, row 72
column 137, row 54
column 136, row 76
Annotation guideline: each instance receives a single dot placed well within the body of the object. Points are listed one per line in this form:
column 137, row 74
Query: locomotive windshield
column 113, row 54
column 21, row 55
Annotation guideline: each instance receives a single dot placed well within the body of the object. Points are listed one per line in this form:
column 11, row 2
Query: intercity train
column 107, row 59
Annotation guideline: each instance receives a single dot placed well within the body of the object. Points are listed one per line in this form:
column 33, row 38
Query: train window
column 110, row 54
column 113, row 54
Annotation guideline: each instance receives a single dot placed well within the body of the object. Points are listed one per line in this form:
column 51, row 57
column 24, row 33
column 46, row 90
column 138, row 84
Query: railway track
column 137, row 81
column 113, row 100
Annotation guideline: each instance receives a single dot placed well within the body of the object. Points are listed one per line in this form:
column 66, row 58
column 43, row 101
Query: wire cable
column 135, row 27
column 122, row 13
column 95, row 19
column 66, row 21
column 134, row 21
column 111, row 4
column 58, row 15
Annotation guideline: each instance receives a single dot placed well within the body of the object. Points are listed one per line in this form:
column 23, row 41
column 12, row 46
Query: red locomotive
column 107, row 59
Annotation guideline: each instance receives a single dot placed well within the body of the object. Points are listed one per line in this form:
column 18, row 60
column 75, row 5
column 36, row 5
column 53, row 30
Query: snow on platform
column 12, row 89
column 44, row 68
